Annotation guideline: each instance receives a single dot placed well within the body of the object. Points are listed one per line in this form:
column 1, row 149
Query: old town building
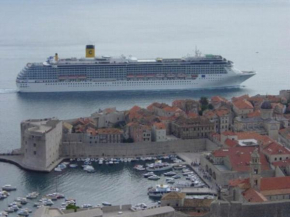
column 190, row 128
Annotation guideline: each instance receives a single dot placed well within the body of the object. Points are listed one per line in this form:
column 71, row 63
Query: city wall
column 83, row 149
column 236, row 209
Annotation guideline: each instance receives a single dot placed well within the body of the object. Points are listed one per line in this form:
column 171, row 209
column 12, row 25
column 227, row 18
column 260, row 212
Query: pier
column 17, row 160
column 198, row 191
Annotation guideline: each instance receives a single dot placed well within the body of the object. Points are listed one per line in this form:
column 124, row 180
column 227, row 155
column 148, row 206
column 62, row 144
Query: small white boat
column 57, row 169
column 3, row 214
column 101, row 162
column 139, row 167
column 32, row 195
column 146, row 175
column 154, row 177
column 89, row 169
column 106, row 204
column 23, row 212
column 160, row 190
column 73, row 165
column 171, row 173
column 84, row 206
column 9, row 188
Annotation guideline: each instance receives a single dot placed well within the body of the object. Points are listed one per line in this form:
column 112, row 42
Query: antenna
column 197, row 52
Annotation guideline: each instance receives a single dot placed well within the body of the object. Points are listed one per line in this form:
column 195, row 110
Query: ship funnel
column 56, row 57
column 90, row 51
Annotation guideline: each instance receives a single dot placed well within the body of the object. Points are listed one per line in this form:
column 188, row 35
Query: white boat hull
column 213, row 81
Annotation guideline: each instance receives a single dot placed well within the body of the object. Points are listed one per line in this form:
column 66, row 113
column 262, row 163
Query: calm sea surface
column 255, row 35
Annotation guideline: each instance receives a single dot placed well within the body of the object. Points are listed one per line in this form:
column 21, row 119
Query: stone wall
column 82, row 149
column 236, row 209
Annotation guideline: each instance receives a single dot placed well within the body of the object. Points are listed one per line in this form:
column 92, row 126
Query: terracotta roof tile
column 228, row 133
column 244, row 183
column 240, row 158
column 251, row 195
column 282, row 163
column 160, row 126
column 275, row 183
column 217, row 99
column 243, row 104
column 231, row 143
column 256, row 113
column 276, row 149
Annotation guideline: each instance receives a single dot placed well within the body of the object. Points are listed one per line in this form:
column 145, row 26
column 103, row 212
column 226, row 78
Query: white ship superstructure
column 128, row 73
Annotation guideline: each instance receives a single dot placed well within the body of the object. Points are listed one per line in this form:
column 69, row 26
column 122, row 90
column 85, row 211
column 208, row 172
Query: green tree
column 203, row 101
column 210, row 106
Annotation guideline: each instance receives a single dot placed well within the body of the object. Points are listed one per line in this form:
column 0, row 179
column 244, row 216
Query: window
column 34, row 152
column 34, row 144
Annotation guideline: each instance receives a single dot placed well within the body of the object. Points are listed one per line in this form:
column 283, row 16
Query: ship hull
column 209, row 82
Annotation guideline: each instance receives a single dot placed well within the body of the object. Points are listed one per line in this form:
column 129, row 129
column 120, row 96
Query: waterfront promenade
column 191, row 158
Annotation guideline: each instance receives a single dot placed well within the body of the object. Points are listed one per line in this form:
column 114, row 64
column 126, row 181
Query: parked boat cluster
column 177, row 172
column 18, row 203
column 89, row 167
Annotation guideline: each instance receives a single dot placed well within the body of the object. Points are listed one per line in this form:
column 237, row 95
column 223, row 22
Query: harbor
column 136, row 181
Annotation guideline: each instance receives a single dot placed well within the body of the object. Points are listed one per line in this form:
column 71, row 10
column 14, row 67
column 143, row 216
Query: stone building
column 225, row 164
column 138, row 132
column 257, row 188
column 221, row 117
column 242, row 107
column 284, row 136
column 190, row 128
column 41, row 139
column 104, row 135
column 159, row 132
column 265, row 124
column 191, row 207
column 187, row 105
column 108, row 117
column 285, row 94
column 276, row 152
column 218, row 101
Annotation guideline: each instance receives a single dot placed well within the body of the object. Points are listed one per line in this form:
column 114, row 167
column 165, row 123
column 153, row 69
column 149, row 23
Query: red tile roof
column 160, row 126
column 254, row 135
column 256, row 113
column 217, row 99
column 275, row 148
column 222, row 112
column 246, row 96
column 251, row 195
column 244, row 183
column 192, row 115
column 134, row 109
column 171, row 109
column 228, row 133
column 240, row 158
column 282, row 163
column 243, row 104
column 275, row 183
column 231, row 143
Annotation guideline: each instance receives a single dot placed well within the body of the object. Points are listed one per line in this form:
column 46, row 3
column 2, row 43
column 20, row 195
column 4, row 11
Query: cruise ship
column 107, row 73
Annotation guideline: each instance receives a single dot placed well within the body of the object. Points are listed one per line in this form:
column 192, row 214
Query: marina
column 23, row 205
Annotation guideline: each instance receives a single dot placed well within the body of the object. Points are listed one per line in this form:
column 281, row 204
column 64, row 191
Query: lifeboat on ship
column 170, row 75
column 130, row 76
column 181, row 75
column 150, row 75
column 194, row 76
column 160, row 75
column 140, row 76
column 70, row 77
